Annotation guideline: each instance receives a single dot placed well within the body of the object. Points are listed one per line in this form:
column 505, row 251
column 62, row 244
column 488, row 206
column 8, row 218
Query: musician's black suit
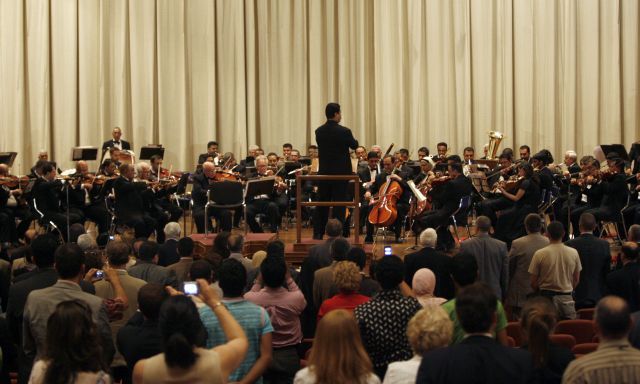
column 110, row 143
column 333, row 142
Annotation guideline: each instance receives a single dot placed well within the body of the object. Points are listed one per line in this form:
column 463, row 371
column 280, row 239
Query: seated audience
column 383, row 320
column 140, row 338
column 183, row 361
column 538, row 322
column 71, row 353
column 346, row 278
column 428, row 257
column 284, row 306
column 253, row 319
column 181, row 267
column 625, row 281
column 337, row 355
column 146, row 267
column 478, row 358
column 464, row 273
column 424, row 284
column 615, row 361
column 429, row 329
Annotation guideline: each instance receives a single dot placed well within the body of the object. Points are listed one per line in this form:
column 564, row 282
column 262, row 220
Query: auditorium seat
column 566, row 341
column 586, row 313
column 584, row 348
column 582, row 330
column 514, row 330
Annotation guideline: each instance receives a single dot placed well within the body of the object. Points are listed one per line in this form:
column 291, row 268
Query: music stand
column 250, row 172
column 263, row 186
column 84, row 153
column 489, row 163
column 305, row 160
column 8, row 158
column 617, row 148
column 147, row 152
column 289, row 167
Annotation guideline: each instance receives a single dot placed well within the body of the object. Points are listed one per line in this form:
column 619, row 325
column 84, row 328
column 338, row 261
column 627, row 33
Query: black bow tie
column 116, row 142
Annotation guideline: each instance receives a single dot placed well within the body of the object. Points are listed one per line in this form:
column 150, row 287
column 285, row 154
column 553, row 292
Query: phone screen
column 387, row 250
column 99, row 274
column 190, row 288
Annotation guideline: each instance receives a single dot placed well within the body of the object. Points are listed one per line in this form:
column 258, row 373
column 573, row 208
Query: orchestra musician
column 129, row 203
column 442, row 149
column 273, row 160
column 457, row 187
column 116, row 141
column 312, row 151
column 201, row 183
column 525, row 199
column 367, row 173
column 503, row 172
column 265, row 204
column 423, row 152
column 426, row 174
column 468, row 155
column 10, row 209
column 540, row 162
column 389, row 165
column 588, row 194
column 525, row 153
column 286, row 151
column 361, row 154
column 249, row 161
column 333, row 142
column 86, row 197
column 46, row 193
column 212, row 152
column 158, row 199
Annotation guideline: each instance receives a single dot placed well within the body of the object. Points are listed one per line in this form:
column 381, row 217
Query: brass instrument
column 495, row 138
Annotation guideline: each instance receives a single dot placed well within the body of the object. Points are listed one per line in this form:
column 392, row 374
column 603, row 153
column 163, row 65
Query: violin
column 221, row 175
column 385, row 210
column 15, row 181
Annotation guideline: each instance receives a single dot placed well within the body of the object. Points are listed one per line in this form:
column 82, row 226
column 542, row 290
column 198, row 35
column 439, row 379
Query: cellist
column 402, row 206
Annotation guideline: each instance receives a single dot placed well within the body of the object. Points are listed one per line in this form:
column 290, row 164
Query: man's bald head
column 82, row 167
column 209, row 169
column 613, row 318
column 4, row 170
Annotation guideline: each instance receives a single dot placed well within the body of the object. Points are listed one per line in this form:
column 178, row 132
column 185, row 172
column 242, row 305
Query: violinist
column 10, row 209
column 457, row 187
column 201, row 183
column 391, row 170
column 423, row 152
column 265, row 204
column 442, row 149
column 156, row 198
column 426, row 174
column 502, row 173
column 46, row 193
column 589, row 193
column 249, row 161
column 525, row 198
column 129, row 203
column 540, row 162
column 85, row 197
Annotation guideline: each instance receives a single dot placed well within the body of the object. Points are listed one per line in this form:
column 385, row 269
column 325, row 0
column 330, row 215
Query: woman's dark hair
column 72, row 349
column 221, row 244
column 389, row 272
column 181, row 330
column 273, row 270
column 529, row 173
column 538, row 321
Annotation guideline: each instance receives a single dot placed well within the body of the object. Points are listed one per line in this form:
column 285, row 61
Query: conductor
column 333, row 142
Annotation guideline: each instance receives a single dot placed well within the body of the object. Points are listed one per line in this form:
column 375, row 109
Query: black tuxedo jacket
column 624, row 283
column 129, row 202
column 477, row 359
column 595, row 257
column 453, row 191
column 109, row 143
column 47, row 195
column 334, row 142
column 439, row 263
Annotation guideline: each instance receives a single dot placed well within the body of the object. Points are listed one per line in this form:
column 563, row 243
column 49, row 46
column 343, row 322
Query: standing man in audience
column 116, row 141
column 146, row 267
column 323, row 278
column 555, row 272
column 595, row 258
column 625, row 281
column 520, row 255
column 182, row 266
column 428, row 257
column 333, row 142
column 491, row 255
column 478, row 358
column 615, row 361
column 168, row 251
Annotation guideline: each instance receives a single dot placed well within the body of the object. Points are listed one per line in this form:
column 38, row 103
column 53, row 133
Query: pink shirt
column 284, row 306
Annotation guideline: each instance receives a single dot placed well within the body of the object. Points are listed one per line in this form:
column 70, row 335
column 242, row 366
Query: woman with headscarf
column 423, row 285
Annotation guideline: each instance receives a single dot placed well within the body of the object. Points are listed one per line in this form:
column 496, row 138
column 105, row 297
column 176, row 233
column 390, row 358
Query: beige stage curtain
column 556, row 74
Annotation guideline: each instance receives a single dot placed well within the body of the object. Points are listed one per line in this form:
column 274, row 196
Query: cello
column 385, row 210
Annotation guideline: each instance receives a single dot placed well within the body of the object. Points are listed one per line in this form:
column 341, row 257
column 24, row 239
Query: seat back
column 586, row 313
column 566, row 341
column 514, row 330
column 584, row 348
column 582, row 330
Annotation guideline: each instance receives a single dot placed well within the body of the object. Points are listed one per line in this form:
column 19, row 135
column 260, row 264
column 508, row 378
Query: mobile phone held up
column 99, row 274
column 191, row 288
column 387, row 250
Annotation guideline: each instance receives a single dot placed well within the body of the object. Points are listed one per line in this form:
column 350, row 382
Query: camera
column 191, row 288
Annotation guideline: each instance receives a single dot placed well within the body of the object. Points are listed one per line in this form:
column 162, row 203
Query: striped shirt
column 614, row 362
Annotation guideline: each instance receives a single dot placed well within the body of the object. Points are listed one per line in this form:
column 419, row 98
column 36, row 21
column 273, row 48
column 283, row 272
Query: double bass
column 385, row 210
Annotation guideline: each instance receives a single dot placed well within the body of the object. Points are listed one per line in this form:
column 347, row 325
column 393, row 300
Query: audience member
column 183, row 361
column 236, row 247
column 337, row 355
column 346, row 278
column 118, row 257
column 368, row 286
column 424, row 283
column 555, row 271
column 86, row 242
column 595, row 258
column 323, row 277
column 146, row 267
column 257, row 259
column 383, row 320
column 478, row 358
column 201, row 269
column 520, row 255
column 464, row 273
column 140, row 338
column 41, row 303
column 633, row 234
column 181, row 267
column 538, row 321
column 75, row 231
column 284, row 306
column 428, row 257
column 615, row 361
column 168, row 250
column 253, row 319
column 491, row 255
column 624, row 282
column 71, row 353
column 221, row 244
column 429, row 329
